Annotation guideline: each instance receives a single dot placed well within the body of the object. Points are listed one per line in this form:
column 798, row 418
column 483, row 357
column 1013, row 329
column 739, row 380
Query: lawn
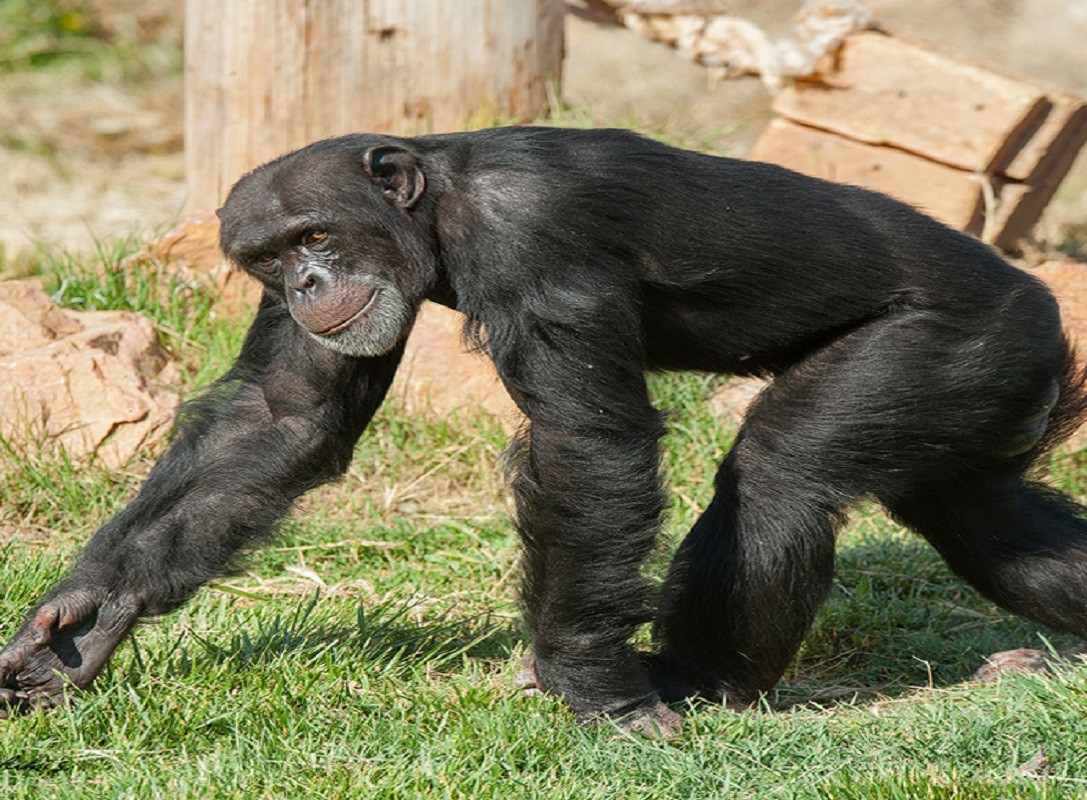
column 370, row 651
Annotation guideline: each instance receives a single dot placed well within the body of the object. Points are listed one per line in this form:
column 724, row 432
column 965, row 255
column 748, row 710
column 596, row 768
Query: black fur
column 911, row 364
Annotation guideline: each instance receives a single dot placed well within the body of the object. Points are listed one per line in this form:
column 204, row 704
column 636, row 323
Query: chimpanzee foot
column 66, row 640
column 675, row 685
column 653, row 719
column 1010, row 662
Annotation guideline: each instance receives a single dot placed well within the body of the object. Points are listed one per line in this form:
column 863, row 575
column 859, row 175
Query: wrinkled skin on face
column 338, row 246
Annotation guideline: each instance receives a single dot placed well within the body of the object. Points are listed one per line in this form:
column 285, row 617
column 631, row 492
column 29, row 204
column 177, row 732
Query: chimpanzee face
column 330, row 230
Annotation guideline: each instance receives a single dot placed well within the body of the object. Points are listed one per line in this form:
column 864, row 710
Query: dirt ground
column 82, row 161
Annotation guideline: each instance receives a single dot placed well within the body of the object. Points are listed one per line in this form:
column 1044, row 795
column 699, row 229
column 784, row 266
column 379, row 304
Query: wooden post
column 263, row 77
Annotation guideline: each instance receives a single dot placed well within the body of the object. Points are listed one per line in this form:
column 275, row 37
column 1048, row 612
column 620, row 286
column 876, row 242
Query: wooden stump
column 263, row 78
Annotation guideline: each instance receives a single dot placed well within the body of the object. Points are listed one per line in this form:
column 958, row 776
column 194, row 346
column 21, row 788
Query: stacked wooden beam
column 978, row 149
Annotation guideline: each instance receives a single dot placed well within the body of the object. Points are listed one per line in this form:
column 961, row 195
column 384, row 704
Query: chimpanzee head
column 331, row 228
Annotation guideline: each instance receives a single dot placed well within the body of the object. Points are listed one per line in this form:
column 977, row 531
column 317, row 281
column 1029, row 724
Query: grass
column 62, row 34
column 370, row 652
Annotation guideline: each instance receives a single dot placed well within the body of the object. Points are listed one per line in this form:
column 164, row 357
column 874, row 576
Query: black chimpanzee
column 911, row 365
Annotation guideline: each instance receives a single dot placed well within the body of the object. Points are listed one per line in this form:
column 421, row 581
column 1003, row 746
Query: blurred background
column 92, row 117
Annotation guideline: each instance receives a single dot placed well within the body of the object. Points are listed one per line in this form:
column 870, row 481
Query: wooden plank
column 1062, row 129
column 1015, row 213
column 1034, row 175
column 950, row 195
column 886, row 91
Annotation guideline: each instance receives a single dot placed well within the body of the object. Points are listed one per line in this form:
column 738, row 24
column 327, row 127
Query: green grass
column 64, row 34
column 370, row 652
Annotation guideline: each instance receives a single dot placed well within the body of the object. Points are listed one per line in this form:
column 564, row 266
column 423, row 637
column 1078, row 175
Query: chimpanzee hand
column 67, row 640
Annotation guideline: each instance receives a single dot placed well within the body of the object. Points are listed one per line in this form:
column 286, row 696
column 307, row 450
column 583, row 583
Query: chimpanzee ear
column 397, row 172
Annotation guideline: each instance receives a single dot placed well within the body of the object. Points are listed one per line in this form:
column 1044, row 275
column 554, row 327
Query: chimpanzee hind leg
column 746, row 582
column 1022, row 545
column 895, row 408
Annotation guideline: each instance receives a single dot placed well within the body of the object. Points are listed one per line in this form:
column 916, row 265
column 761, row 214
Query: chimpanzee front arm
column 283, row 420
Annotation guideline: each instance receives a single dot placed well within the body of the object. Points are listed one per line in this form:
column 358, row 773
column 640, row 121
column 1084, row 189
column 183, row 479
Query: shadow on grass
column 898, row 620
column 384, row 638
column 37, row 766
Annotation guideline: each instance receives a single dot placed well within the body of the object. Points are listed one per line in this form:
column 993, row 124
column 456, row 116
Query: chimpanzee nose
column 306, row 282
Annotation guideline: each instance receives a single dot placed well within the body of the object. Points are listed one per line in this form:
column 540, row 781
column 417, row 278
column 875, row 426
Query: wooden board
column 886, row 91
column 1063, row 129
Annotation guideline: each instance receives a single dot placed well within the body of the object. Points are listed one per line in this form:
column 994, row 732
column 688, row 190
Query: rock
column 732, row 399
column 79, row 383
column 1068, row 281
column 438, row 373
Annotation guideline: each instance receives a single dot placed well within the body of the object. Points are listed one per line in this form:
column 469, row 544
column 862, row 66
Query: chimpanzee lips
column 337, row 327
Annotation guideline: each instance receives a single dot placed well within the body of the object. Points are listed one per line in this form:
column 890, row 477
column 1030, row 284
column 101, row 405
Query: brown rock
column 29, row 319
column 731, row 401
column 438, row 373
column 79, row 383
column 1068, row 280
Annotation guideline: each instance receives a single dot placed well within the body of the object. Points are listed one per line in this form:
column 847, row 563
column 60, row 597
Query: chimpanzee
column 911, row 365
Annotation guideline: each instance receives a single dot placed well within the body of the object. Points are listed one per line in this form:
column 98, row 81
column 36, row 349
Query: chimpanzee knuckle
column 43, row 625
column 45, row 700
column 11, row 661
column 72, row 608
column 117, row 617
column 525, row 680
column 10, row 704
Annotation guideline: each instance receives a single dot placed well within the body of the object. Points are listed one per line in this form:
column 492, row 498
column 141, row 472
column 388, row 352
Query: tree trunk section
column 264, row 77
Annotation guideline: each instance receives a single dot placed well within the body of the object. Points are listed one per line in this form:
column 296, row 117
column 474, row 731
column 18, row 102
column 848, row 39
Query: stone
column 79, row 384
column 192, row 248
column 440, row 374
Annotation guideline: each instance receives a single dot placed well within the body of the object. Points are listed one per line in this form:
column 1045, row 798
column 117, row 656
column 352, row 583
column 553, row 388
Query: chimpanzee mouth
column 347, row 323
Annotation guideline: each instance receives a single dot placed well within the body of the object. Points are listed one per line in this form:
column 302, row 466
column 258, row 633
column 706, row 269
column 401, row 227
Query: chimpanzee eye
column 310, row 238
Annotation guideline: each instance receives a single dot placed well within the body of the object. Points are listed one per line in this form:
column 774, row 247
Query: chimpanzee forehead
column 251, row 204
column 323, row 180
